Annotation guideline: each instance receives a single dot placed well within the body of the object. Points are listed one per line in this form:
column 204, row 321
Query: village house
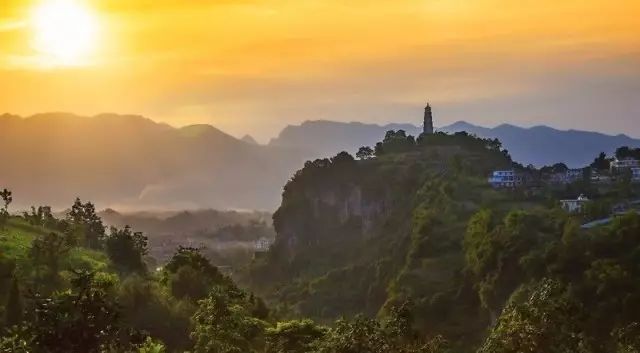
column 505, row 179
column 618, row 165
column 574, row 206
column 263, row 244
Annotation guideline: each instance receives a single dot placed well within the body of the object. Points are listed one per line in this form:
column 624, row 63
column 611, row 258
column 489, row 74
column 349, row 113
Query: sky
column 254, row 66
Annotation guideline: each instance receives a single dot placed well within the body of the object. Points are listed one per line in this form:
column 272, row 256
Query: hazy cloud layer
column 250, row 66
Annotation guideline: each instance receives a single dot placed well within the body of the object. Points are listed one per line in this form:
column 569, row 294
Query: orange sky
column 252, row 66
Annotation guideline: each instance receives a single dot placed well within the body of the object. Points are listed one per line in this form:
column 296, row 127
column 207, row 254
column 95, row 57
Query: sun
column 65, row 32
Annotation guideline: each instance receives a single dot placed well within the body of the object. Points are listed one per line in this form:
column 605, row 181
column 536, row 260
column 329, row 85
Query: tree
column 223, row 324
column 47, row 251
column 362, row 335
column 4, row 211
column 127, row 249
column 7, row 198
column 624, row 184
column 296, row 336
column 84, row 219
column 546, row 321
column 190, row 275
column 13, row 313
column 601, row 162
column 628, row 339
column 85, row 319
column 41, row 216
column 365, row 152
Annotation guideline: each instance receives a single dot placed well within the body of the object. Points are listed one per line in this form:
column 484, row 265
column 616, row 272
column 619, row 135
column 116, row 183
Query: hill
column 16, row 240
column 130, row 162
column 540, row 145
column 418, row 223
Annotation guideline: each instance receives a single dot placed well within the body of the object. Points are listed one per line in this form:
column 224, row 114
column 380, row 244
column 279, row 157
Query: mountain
column 249, row 139
column 540, row 145
column 419, row 227
column 326, row 138
column 130, row 162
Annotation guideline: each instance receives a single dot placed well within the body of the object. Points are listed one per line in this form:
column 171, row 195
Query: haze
column 250, row 66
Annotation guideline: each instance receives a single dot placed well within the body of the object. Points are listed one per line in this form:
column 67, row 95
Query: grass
column 16, row 239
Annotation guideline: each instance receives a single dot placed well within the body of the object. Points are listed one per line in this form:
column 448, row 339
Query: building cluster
column 514, row 179
column 519, row 178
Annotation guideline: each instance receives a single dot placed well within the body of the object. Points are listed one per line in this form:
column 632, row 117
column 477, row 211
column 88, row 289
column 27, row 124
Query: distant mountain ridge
column 543, row 145
column 539, row 145
column 130, row 162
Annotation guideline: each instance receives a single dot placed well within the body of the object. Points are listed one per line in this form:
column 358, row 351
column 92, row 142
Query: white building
column 635, row 174
column 263, row 244
column 573, row 206
column 624, row 163
column 505, row 179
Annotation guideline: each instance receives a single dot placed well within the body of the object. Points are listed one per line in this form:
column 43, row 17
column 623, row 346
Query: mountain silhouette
column 130, row 162
column 539, row 145
column 125, row 161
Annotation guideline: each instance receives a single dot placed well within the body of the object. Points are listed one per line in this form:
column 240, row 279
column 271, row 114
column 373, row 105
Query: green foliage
column 47, row 252
column 395, row 142
column 127, row 249
column 626, row 152
column 365, row 152
column 223, row 324
column 150, row 346
column 363, row 335
column 601, row 162
column 296, row 336
column 87, row 224
column 7, row 197
column 85, row 319
column 547, row 321
column 628, row 339
column 190, row 275
column 14, row 308
column 147, row 307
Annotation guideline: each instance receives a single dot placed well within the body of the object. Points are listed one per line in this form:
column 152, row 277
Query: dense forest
column 404, row 249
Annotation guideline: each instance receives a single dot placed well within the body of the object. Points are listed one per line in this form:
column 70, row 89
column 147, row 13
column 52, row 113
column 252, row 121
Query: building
column 505, row 179
column 574, row 175
column 263, row 244
column 566, row 177
column 624, row 163
column 635, row 174
column 574, row 206
column 428, row 121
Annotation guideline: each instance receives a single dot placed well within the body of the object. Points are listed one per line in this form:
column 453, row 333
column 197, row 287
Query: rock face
column 322, row 216
column 347, row 206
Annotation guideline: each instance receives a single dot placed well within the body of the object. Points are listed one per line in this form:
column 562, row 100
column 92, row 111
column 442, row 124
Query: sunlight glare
column 65, row 32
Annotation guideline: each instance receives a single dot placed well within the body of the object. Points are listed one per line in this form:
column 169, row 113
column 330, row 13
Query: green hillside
column 419, row 223
column 17, row 237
